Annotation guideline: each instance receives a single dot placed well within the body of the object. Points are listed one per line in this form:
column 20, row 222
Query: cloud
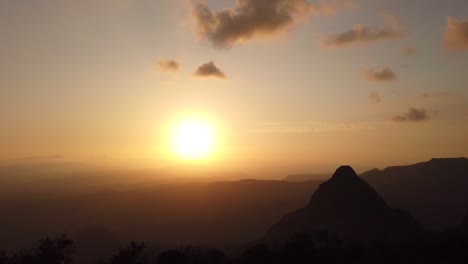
column 312, row 127
column 413, row 115
column 362, row 34
column 169, row 65
column 456, row 34
column 208, row 70
column 385, row 75
column 250, row 19
column 408, row 51
column 374, row 97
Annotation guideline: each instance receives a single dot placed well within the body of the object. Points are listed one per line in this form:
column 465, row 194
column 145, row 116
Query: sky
column 289, row 85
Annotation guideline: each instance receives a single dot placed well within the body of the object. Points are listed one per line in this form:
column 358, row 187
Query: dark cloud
column 169, row 65
column 364, row 34
column 253, row 18
column 374, row 97
column 208, row 70
column 456, row 34
column 385, row 75
column 408, row 51
column 413, row 115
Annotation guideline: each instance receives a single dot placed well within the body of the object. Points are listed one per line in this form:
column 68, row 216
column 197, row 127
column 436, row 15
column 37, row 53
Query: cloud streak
column 209, row 70
column 413, row 115
column 456, row 35
column 362, row 34
column 435, row 95
column 311, row 127
column 250, row 19
column 385, row 75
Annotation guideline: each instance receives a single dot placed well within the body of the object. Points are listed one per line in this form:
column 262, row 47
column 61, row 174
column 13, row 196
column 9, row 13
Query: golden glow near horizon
column 193, row 139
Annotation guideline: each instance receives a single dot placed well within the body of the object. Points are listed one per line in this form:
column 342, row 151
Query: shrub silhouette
column 58, row 250
column 133, row 253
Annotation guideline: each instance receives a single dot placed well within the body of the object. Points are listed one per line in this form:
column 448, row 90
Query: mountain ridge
column 434, row 191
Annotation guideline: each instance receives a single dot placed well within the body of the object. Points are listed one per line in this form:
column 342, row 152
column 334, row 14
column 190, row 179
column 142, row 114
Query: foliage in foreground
column 448, row 247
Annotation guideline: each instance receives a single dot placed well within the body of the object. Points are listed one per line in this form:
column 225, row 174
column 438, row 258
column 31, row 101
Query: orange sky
column 300, row 88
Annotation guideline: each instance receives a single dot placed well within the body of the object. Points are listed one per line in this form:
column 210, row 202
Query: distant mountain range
column 43, row 178
column 348, row 207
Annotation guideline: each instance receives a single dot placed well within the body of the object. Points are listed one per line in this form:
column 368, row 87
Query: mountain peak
column 346, row 191
column 344, row 172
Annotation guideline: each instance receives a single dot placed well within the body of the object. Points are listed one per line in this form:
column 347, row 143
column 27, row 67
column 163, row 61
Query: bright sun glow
column 193, row 139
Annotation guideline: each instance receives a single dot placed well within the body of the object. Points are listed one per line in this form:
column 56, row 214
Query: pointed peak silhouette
column 344, row 172
column 345, row 192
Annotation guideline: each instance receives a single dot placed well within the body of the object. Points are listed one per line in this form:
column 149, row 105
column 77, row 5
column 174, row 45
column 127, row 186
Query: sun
column 193, row 139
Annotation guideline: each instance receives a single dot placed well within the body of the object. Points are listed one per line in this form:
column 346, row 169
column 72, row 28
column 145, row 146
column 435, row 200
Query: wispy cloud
column 311, row 127
column 456, row 34
column 384, row 75
column 209, row 70
column 362, row 34
column 250, row 19
column 433, row 95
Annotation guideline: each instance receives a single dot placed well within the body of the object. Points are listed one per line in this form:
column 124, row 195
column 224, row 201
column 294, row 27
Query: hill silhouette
column 348, row 207
column 435, row 192
column 306, row 177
